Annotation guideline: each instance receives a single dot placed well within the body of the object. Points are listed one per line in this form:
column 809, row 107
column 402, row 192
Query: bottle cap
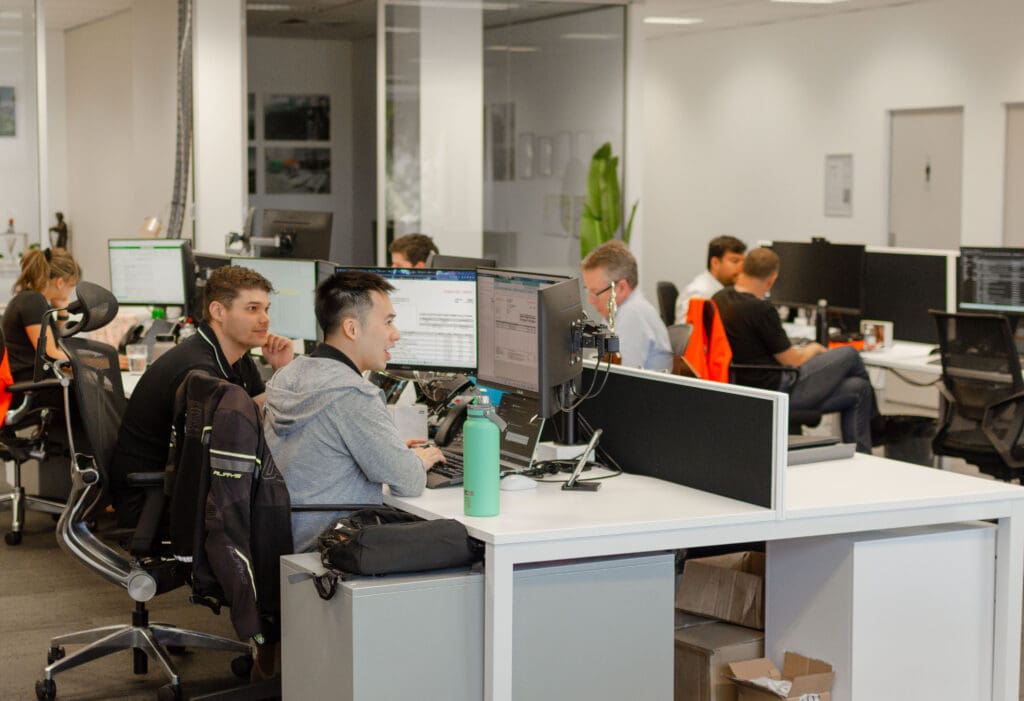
column 159, row 313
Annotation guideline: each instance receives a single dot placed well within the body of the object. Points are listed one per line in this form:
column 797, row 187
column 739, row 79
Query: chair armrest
column 145, row 479
column 33, row 386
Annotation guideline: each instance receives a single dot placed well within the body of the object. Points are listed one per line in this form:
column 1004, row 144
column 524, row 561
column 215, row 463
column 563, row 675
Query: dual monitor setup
column 513, row 330
column 899, row 285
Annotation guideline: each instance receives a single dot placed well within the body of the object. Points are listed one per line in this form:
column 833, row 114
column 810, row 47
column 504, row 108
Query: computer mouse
column 516, row 483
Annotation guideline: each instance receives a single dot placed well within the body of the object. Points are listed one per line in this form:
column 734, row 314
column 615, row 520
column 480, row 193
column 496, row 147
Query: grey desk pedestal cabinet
column 421, row 636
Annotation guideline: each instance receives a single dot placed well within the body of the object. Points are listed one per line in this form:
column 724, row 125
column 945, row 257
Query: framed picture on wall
column 297, row 118
column 7, row 119
column 297, row 171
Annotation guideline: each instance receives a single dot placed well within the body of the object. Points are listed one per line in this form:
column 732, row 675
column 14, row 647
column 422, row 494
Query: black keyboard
column 446, row 474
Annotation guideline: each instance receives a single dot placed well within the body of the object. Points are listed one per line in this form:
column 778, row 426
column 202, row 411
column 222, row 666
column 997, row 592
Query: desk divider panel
column 709, row 436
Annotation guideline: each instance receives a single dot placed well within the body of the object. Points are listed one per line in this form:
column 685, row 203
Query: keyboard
column 446, row 474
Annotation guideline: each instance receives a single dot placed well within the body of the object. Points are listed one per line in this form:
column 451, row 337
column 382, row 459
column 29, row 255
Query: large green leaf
column 602, row 209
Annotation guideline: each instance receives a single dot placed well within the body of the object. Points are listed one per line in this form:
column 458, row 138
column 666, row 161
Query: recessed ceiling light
column 268, row 6
column 673, row 20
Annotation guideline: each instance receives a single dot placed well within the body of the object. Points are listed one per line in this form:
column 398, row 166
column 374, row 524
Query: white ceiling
column 354, row 18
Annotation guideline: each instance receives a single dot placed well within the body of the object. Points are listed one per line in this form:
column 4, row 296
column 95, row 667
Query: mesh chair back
column 99, row 396
column 667, row 296
column 980, row 364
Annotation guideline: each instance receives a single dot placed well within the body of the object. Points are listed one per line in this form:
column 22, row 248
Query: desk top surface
column 904, row 355
column 634, row 504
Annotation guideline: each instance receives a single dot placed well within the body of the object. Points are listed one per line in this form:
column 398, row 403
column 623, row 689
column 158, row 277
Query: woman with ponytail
column 46, row 281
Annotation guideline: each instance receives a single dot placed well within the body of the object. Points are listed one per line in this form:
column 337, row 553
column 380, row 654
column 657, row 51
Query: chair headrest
column 97, row 306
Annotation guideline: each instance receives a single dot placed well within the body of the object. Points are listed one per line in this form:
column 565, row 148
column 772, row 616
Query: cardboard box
column 812, row 679
column 728, row 587
column 702, row 657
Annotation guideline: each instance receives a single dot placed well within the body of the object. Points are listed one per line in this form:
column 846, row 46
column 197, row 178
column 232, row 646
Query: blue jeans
column 837, row 381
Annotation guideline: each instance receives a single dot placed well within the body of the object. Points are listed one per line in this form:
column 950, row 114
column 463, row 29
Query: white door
column 925, row 178
column 1013, row 218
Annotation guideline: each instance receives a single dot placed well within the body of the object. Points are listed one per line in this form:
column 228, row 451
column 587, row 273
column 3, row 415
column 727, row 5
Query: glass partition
column 509, row 181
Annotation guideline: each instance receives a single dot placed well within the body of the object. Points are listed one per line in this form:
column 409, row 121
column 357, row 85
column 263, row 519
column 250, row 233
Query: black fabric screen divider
column 715, row 441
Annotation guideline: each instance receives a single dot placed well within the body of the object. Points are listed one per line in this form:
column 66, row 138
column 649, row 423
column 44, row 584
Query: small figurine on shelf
column 10, row 226
column 59, row 233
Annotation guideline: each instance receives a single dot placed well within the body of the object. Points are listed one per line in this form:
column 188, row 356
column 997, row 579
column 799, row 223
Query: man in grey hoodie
column 327, row 427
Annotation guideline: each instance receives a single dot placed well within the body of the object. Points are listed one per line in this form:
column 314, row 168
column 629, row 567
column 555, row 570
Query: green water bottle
column 481, row 443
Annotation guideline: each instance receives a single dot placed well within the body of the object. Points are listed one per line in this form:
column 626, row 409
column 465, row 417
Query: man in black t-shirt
column 828, row 380
column 234, row 322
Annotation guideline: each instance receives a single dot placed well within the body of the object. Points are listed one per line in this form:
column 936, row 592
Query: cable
column 914, row 383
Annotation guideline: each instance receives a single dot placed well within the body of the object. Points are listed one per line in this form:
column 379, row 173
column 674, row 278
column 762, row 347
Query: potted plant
column 602, row 211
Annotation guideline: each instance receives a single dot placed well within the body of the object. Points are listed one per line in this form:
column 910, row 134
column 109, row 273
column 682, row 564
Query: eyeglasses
column 598, row 294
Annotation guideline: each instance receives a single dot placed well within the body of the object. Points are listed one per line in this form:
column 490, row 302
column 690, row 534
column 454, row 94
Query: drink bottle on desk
column 481, row 444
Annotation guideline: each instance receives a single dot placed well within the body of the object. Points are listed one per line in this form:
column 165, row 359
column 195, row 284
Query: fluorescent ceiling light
column 268, row 6
column 455, row 4
column 402, row 30
column 589, row 36
column 811, row 2
column 673, row 20
column 513, row 49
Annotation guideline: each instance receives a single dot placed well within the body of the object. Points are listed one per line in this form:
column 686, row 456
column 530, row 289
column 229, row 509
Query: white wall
column 117, row 162
column 19, row 176
column 310, row 67
column 56, row 125
column 737, row 123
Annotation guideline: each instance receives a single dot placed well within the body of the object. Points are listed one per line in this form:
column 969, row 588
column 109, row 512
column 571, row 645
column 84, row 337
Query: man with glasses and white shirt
column 643, row 338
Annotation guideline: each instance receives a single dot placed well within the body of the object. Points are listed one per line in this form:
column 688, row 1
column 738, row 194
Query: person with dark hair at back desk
column 725, row 261
column 827, row 380
column 411, row 251
column 235, row 321
column 327, row 427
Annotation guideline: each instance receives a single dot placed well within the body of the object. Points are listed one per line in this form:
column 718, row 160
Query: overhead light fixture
column 402, row 30
column 268, row 6
column 811, row 2
column 513, row 49
column 679, row 21
column 590, row 36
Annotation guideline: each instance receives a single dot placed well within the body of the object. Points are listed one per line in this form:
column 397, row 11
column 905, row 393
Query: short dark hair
column 761, row 263
column 415, row 247
column 347, row 294
column 720, row 245
column 227, row 282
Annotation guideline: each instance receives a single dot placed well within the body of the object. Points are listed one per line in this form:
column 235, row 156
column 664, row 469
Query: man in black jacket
column 235, row 320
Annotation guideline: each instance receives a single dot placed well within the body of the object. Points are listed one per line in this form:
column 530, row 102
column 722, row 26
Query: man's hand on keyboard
column 415, row 442
column 429, row 456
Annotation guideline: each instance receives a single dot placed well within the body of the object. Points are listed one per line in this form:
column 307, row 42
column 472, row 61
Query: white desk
column 904, row 355
column 633, row 514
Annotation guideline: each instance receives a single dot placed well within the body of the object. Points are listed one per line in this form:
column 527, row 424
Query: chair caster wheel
column 46, row 689
column 241, row 666
column 13, row 538
column 169, row 692
column 54, row 654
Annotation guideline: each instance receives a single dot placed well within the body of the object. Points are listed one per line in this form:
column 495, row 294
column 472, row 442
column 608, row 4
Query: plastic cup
column 138, row 356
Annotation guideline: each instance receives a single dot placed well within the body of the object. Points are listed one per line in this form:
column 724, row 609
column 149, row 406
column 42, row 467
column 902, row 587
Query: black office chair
column 145, row 570
column 668, row 293
column 982, row 413
column 23, row 431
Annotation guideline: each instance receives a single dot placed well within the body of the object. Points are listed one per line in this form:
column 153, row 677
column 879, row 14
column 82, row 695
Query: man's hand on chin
column 278, row 351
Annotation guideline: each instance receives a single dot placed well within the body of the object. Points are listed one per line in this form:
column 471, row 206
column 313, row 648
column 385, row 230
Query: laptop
column 518, row 442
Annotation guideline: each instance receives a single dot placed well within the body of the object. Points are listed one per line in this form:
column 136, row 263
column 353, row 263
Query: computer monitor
column 437, row 260
column 303, row 234
column 901, row 286
column 157, row 272
column 435, row 311
column 559, row 308
column 291, row 304
column 508, row 329
column 818, row 270
column 205, row 263
column 991, row 280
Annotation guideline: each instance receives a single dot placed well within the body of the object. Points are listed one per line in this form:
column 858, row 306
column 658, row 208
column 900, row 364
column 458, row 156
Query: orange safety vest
column 708, row 350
